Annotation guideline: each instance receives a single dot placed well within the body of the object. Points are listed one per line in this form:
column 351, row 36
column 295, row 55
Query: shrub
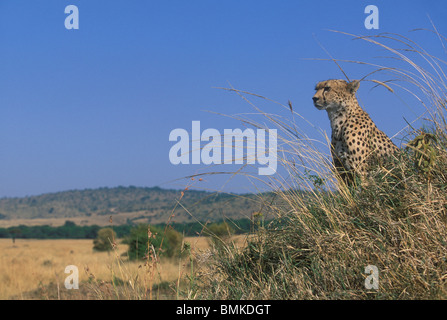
column 104, row 240
column 146, row 241
column 218, row 233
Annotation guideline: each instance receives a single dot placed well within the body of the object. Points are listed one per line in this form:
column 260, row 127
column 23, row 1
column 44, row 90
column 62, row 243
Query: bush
column 146, row 241
column 105, row 240
column 218, row 233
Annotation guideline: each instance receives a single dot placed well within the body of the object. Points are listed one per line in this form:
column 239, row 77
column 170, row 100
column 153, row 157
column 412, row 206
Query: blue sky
column 94, row 107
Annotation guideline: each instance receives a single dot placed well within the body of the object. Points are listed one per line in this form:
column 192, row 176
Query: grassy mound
column 320, row 247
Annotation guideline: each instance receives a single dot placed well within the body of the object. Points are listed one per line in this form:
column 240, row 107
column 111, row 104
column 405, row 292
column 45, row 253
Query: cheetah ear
column 353, row 86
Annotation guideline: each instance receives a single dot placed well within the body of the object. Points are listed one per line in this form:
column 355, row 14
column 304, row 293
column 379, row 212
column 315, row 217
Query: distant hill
column 126, row 205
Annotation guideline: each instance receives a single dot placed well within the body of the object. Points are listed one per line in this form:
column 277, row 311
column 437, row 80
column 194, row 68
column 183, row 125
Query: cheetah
column 356, row 141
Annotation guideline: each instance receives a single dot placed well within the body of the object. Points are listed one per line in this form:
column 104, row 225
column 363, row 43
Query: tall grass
column 325, row 234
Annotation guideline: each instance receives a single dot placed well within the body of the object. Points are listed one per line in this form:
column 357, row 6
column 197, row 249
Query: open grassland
column 35, row 269
column 99, row 220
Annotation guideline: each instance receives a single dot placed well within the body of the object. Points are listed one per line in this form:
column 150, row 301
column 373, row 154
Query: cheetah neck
column 340, row 114
column 336, row 115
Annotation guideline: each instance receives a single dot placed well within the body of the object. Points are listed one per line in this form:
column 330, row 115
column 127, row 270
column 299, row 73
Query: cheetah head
column 333, row 94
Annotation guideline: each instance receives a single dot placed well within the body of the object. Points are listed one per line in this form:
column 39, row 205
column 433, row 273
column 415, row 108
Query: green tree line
column 72, row 231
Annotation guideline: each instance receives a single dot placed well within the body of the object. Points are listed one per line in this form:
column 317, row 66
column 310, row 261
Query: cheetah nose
column 315, row 99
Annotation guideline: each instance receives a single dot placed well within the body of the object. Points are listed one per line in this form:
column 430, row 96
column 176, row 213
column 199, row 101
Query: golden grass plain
column 29, row 265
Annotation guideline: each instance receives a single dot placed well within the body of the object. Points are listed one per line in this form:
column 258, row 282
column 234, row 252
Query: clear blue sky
column 94, row 107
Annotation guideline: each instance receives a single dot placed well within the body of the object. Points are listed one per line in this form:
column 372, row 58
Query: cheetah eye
column 327, row 89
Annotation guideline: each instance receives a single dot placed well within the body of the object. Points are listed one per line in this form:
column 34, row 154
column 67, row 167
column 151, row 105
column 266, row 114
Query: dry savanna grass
column 35, row 269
